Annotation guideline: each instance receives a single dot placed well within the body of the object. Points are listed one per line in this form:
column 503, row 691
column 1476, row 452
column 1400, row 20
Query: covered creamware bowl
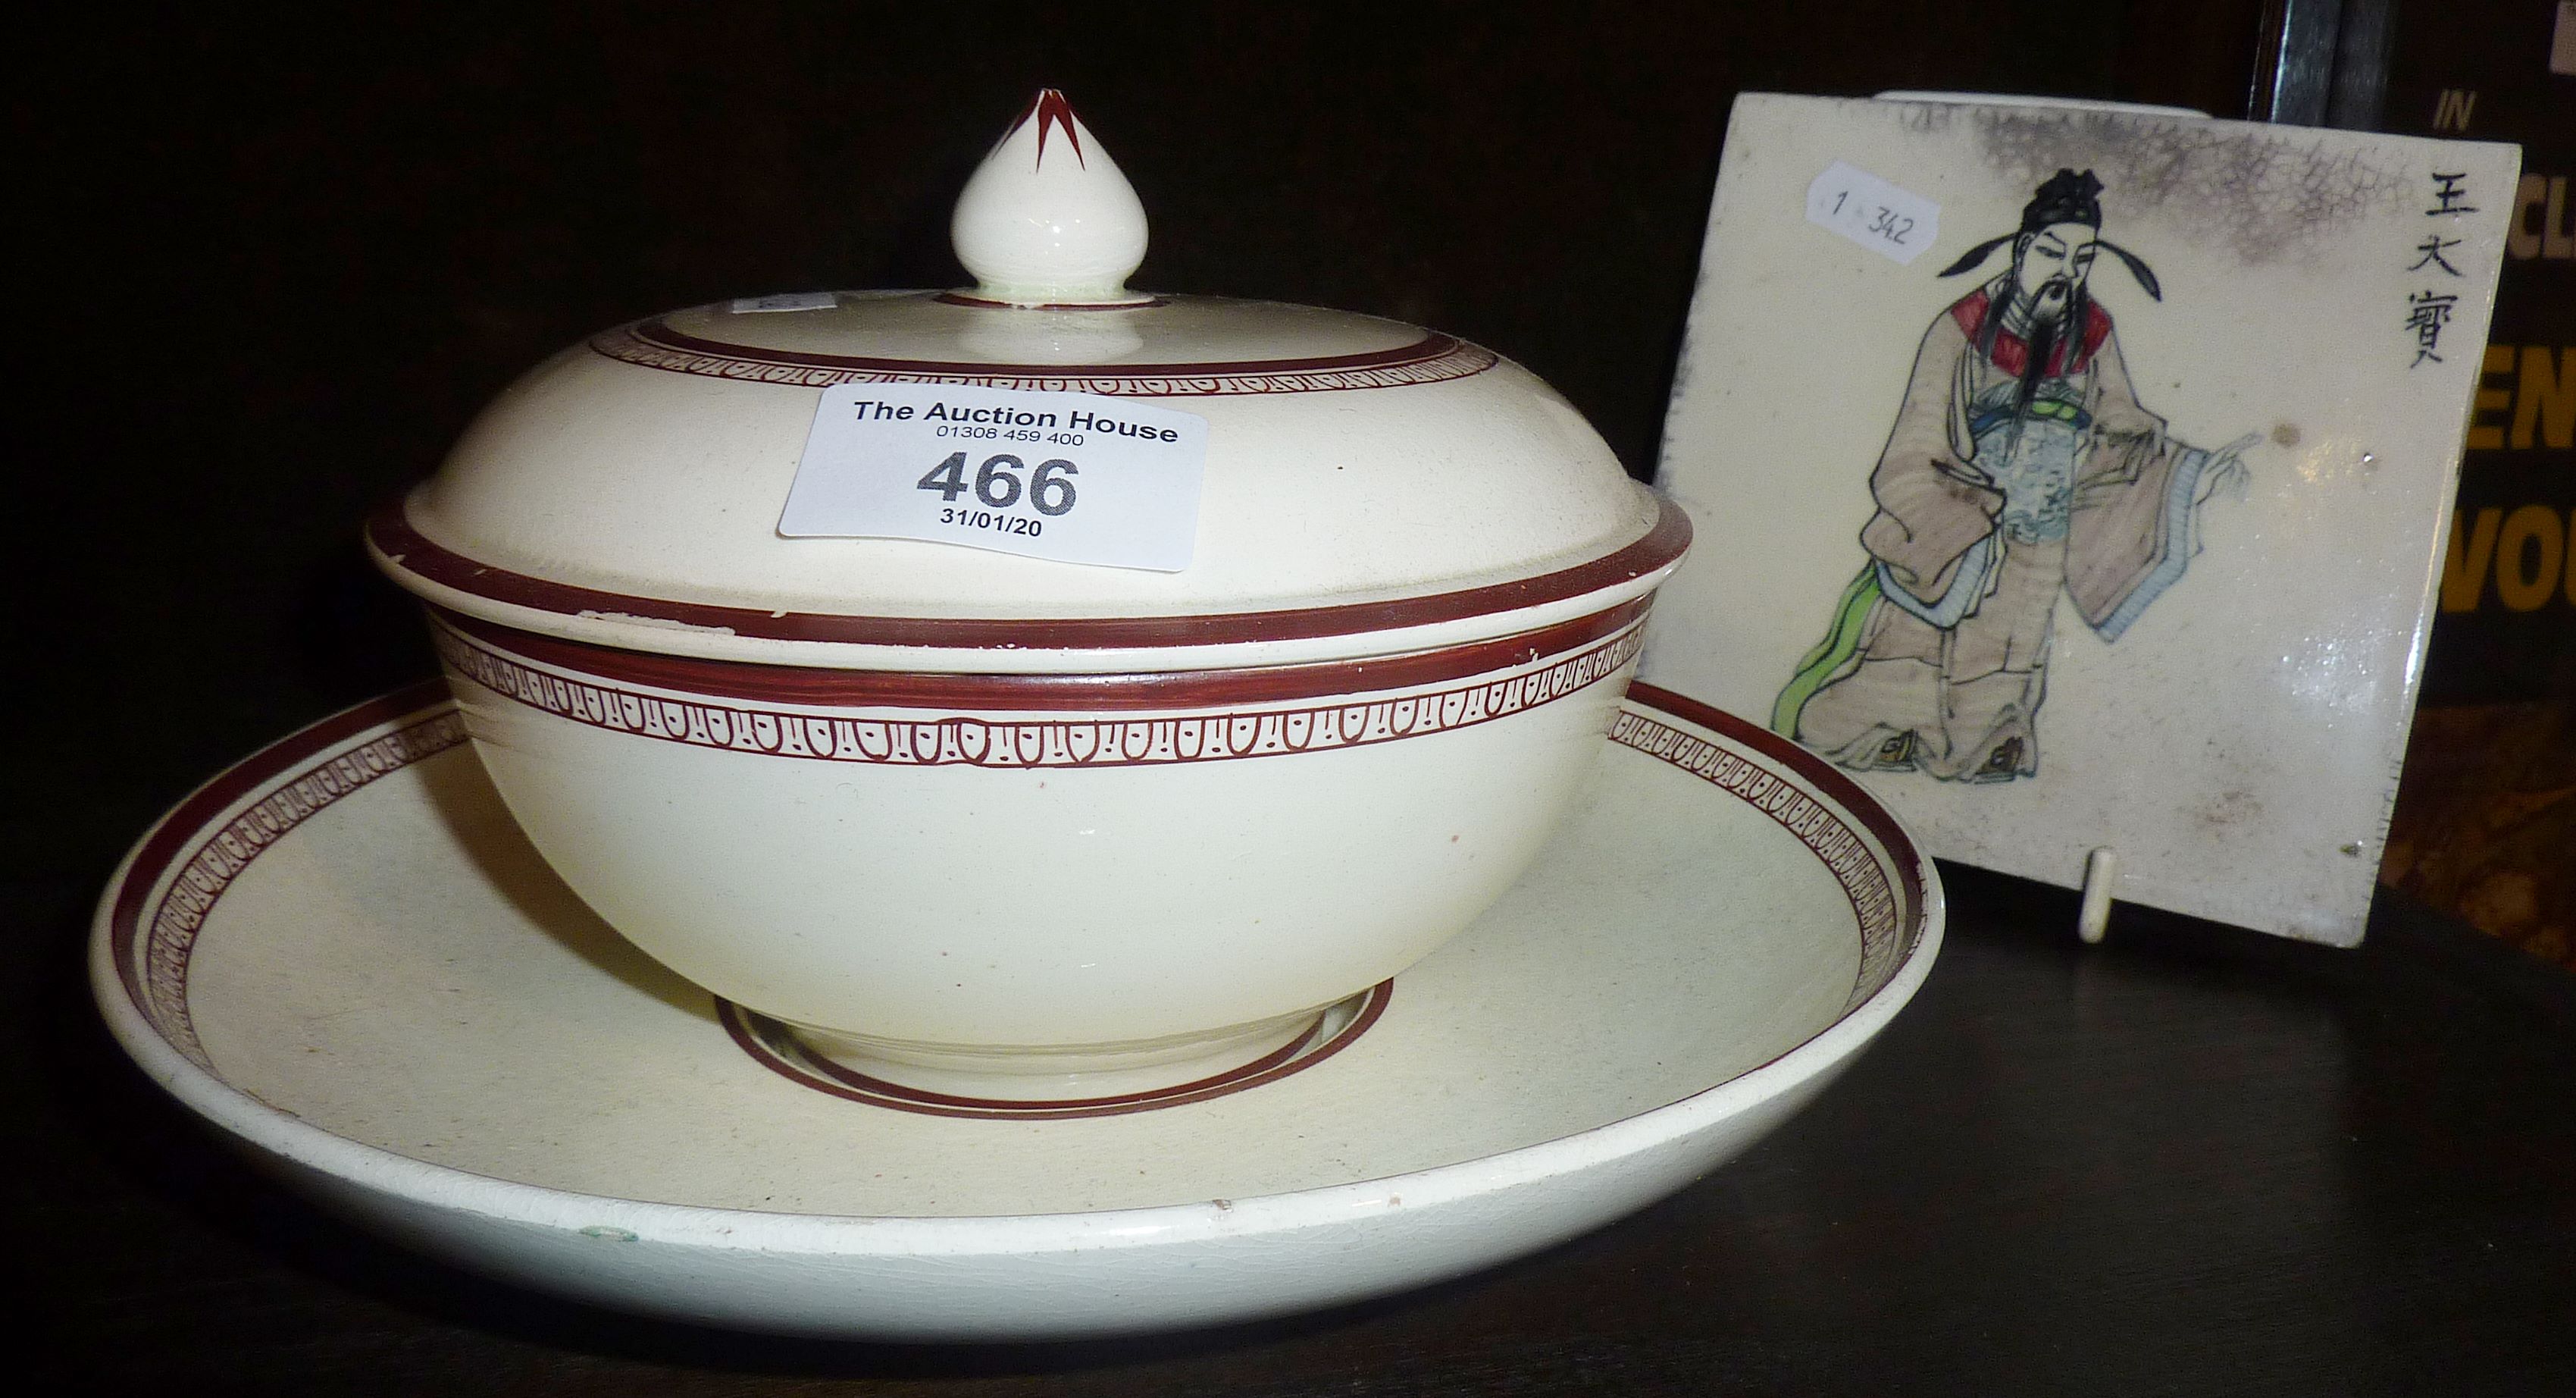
column 1044, row 691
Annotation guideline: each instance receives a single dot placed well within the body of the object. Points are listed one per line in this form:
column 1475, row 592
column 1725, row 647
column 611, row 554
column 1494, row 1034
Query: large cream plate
column 342, row 953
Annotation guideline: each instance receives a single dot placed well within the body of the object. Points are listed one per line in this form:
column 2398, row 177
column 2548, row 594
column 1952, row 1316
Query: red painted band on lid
column 1432, row 345
column 1436, row 359
column 1125, row 692
column 390, row 533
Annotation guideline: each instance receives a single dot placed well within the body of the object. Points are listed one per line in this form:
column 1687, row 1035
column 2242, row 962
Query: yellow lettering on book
column 2531, row 535
column 2464, row 572
column 2542, row 226
column 2452, row 109
column 2538, row 408
column 2544, row 397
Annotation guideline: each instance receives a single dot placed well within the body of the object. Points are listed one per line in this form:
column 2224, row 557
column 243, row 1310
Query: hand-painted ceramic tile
column 2077, row 477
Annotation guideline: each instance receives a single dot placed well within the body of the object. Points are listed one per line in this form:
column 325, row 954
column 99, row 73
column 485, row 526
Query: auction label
column 1895, row 223
column 1072, row 477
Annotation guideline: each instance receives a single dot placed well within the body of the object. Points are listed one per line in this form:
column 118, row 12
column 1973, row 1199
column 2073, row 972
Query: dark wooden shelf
column 2192, row 1160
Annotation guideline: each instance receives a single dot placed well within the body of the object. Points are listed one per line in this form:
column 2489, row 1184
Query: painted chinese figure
column 2021, row 466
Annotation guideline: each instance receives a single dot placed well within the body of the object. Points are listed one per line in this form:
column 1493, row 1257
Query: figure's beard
column 2043, row 347
column 2045, row 315
column 2044, row 307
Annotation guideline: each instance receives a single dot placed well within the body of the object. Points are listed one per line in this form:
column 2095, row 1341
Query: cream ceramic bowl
column 341, row 956
column 1003, row 827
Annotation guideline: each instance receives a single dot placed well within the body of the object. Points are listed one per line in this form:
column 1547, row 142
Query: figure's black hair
column 2069, row 196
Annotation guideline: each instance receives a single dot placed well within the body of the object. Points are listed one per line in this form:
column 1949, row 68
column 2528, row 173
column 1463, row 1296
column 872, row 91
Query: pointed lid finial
column 1048, row 219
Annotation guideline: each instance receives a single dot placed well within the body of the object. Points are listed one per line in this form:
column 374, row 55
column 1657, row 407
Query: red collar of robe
column 2011, row 352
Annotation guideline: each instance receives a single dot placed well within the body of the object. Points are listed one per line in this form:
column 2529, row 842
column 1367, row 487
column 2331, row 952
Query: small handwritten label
column 1073, row 477
column 785, row 301
column 1896, row 224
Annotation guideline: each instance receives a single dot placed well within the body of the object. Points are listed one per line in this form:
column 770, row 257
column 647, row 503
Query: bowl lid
column 1047, row 462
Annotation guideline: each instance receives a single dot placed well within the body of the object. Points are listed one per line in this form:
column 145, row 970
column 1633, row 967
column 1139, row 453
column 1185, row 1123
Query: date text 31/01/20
column 999, row 484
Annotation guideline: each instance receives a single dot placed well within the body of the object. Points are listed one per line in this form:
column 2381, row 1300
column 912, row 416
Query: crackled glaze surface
column 2164, row 588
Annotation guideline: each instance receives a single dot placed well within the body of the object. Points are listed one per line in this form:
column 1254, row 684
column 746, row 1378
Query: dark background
column 279, row 267
column 2485, row 825
column 269, row 271
column 2489, row 653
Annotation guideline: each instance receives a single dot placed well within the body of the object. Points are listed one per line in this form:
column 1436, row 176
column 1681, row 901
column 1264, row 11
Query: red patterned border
column 1435, row 358
column 308, row 776
column 220, row 858
column 1092, row 692
column 948, row 741
column 1825, row 832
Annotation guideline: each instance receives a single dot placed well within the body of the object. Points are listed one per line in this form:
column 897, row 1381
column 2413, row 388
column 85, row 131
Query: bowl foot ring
column 776, row 1046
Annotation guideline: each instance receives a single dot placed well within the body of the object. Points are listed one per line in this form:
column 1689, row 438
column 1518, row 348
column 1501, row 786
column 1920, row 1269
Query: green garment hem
column 1830, row 655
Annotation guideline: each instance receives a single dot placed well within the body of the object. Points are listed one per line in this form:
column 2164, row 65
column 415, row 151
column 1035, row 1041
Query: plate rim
column 275, row 1132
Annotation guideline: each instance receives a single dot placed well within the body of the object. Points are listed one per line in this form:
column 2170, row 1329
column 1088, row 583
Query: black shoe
column 2003, row 764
